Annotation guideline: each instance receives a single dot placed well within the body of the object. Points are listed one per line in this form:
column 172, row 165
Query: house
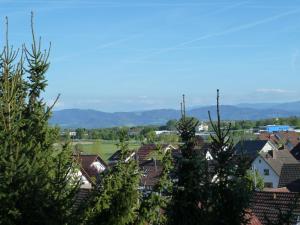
column 266, row 206
column 271, row 167
column 203, row 127
column 90, row 167
column 252, row 148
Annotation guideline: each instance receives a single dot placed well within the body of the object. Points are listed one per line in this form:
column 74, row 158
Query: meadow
column 103, row 148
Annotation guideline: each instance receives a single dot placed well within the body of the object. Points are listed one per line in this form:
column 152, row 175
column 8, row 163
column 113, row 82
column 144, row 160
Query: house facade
column 277, row 168
column 271, row 178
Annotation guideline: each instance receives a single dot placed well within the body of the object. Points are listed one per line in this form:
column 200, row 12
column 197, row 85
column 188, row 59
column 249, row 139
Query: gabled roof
column 251, row 148
column 86, row 161
column 289, row 138
column 267, row 205
column 290, row 177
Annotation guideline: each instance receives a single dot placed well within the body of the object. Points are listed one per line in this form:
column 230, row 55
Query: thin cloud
column 274, row 91
column 224, row 32
column 98, row 47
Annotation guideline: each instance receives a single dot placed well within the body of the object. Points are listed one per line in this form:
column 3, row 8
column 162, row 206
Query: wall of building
column 259, row 164
column 267, row 147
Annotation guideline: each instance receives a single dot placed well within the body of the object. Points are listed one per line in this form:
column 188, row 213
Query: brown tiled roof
column 290, row 177
column 252, row 219
column 268, row 205
column 283, row 189
column 289, row 138
column 85, row 162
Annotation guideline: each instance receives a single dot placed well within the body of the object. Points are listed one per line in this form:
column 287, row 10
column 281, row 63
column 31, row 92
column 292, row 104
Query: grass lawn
column 103, row 148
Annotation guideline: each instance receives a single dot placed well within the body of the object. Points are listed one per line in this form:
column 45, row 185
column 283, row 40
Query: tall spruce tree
column 229, row 187
column 35, row 182
column 155, row 205
column 115, row 199
column 189, row 194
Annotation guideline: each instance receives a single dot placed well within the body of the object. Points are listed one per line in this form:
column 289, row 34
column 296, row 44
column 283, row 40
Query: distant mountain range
column 74, row 118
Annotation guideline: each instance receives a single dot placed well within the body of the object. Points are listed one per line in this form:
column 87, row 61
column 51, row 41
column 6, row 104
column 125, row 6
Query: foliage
column 156, row 203
column 255, row 181
column 35, row 186
column 115, row 200
column 229, row 186
column 190, row 171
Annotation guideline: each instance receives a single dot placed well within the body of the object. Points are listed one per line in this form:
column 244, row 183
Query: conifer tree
column 154, row 206
column 115, row 200
column 189, row 193
column 35, row 182
column 229, row 187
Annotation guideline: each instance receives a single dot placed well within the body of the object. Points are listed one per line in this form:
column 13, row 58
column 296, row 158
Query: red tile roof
column 252, row 219
column 268, row 205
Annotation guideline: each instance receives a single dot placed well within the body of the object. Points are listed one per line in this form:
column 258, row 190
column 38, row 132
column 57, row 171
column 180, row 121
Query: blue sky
column 130, row 55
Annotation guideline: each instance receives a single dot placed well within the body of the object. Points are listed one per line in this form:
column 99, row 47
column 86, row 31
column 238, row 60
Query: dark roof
column 145, row 151
column 116, row 156
column 267, row 205
column 250, row 148
column 151, row 172
column 290, row 177
column 296, row 151
column 81, row 197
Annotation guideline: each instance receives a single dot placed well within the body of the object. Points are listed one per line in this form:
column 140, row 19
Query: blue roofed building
column 277, row 128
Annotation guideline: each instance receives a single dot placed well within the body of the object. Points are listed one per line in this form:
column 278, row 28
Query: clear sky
column 125, row 55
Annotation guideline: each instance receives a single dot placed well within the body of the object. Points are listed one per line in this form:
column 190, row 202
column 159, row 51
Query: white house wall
column 259, row 164
column 267, row 147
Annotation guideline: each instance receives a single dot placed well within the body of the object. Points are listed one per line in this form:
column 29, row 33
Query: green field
column 103, row 148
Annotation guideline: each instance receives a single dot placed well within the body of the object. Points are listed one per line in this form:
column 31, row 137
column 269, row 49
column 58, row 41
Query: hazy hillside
column 73, row 118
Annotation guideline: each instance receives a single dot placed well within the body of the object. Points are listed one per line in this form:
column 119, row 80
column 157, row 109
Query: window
column 259, row 161
column 266, row 172
column 268, row 185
